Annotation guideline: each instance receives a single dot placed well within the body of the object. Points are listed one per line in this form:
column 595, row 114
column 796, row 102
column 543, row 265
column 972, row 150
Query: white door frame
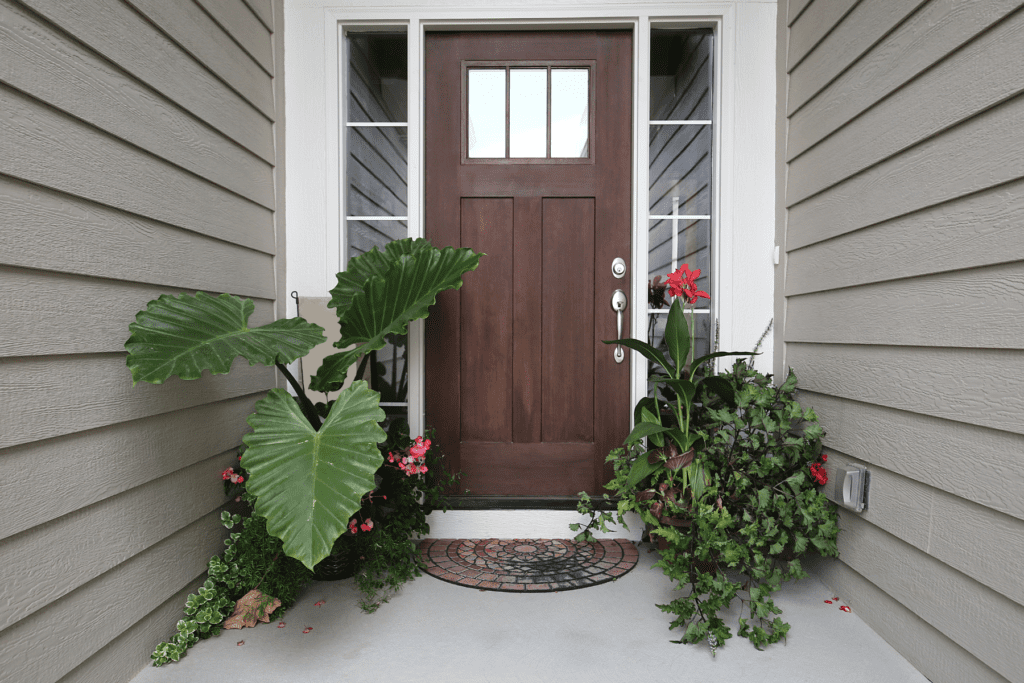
column 743, row 148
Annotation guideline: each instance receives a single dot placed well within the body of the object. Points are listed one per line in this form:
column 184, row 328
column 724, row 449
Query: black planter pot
column 340, row 564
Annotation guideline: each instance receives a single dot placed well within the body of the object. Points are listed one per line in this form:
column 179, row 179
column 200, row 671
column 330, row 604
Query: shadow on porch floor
column 436, row 631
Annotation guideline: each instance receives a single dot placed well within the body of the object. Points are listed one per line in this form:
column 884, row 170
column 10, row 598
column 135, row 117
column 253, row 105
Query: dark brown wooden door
column 525, row 398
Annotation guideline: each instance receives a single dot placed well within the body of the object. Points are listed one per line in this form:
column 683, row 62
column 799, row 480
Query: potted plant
column 726, row 482
column 309, row 465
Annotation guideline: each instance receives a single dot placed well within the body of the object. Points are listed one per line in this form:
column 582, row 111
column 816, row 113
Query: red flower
column 824, row 457
column 683, row 282
column 228, row 473
column 367, row 525
column 818, row 473
column 353, row 526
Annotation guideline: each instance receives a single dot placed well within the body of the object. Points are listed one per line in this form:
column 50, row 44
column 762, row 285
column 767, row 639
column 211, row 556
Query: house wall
column 900, row 216
column 137, row 157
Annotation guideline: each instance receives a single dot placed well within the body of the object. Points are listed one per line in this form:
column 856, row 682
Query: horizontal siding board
column 51, row 560
column 263, row 10
column 865, row 25
column 977, row 77
column 59, row 637
column 43, row 146
column 796, row 8
column 813, row 25
column 966, row 460
column 917, row 178
column 966, row 308
column 979, row 230
column 126, row 655
column 119, row 34
column 235, row 17
column 92, row 391
column 978, row 386
column 193, row 29
column 932, row 653
column 47, row 479
column 42, row 62
column 924, row 39
column 983, row 622
column 51, row 314
column 986, row 545
column 59, row 232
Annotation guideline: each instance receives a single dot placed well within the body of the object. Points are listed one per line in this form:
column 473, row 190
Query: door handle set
column 619, row 302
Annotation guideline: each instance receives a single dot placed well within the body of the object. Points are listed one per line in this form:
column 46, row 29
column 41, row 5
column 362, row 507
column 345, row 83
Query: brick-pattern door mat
column 527, row 565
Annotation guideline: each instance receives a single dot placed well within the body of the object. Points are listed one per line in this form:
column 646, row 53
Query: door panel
column 525, row 399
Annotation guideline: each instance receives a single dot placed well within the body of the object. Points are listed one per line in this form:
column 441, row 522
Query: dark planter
column 340, row 564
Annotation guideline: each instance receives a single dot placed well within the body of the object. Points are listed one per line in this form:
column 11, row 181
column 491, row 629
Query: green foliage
column 252, row 559
column 308, row 482
column 377, row 297
column 186, row 334
column 388, row 556
column 381, row 293
column 756, row 513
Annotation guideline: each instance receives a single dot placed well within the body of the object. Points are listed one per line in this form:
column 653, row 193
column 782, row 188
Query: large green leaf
column 648, row 351
column 186, row 334
column 308, row 483
column 373, row 263
column 386, row 304
column 677, row 334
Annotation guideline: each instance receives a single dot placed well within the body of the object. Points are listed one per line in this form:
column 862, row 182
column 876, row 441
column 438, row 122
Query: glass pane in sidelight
column 377, row 77
column 680, row 170
column 528, row 113
column 376, row 171
column 366, row 234
column 486, row 109
column 681, row 74
column 570, row 113
column 692, row 243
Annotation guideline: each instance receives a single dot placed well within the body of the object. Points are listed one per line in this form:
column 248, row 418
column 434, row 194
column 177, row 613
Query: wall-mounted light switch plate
column 851, row 487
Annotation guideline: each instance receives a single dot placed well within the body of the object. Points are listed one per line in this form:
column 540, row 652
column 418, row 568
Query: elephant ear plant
column 308, row 465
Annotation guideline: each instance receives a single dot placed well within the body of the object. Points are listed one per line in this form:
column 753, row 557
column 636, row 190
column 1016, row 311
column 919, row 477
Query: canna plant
column 309, row 465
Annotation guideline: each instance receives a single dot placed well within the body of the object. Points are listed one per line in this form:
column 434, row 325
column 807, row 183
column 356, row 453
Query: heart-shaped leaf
column 186, row 334
column 308, row 483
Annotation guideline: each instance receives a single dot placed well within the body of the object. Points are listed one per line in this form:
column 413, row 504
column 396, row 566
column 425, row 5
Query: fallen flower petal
column 844, row 608
column 828, row 602
column 317, row 604
column 241, row 642
column 307, row 629
column 281, row 625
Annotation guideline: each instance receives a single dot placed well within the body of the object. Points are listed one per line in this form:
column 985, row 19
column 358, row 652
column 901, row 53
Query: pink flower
column 367, row 525
column 352, row 526
column 228, row 473
column 683, row 282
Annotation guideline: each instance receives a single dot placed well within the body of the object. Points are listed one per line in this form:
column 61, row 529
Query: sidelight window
column 679, row 190
column 376, row 177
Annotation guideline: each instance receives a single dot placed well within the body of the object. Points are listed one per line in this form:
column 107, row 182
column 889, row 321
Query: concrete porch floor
column 436, row 631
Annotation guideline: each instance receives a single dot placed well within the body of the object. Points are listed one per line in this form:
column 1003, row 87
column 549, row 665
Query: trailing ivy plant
column 252, row 559
column 308, row 468
column 743, row 503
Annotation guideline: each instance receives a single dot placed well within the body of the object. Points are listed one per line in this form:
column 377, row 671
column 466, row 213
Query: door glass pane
column 570, row 113
column 701, row 331
column 692, row 243
column 680, row 170
column 528, row 110
column 377, row 171
column 486, row 105
column 377, row 77
column 681, row 74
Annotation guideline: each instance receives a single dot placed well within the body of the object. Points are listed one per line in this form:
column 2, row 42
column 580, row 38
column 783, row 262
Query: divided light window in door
column 376, row 178
column 679, row 192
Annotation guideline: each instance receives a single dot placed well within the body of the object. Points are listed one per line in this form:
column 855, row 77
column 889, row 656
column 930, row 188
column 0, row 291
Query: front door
column 528, row 160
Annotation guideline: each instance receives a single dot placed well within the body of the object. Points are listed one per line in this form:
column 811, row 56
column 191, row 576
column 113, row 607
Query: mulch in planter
column 527, row 565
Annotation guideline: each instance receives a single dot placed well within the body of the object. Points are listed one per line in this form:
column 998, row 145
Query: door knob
column 619, row 302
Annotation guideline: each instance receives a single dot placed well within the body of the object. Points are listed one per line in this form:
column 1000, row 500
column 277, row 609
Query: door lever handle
column 619, row 302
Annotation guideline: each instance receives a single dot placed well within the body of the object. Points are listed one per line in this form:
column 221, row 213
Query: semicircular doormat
column 527, row 565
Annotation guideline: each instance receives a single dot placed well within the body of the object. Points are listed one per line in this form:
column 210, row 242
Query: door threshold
column 524, row 503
